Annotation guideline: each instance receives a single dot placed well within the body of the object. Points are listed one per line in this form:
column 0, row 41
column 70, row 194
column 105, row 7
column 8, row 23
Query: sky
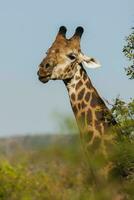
column 27, row 30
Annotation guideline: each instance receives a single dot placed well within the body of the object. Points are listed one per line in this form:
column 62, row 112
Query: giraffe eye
column 71, row 56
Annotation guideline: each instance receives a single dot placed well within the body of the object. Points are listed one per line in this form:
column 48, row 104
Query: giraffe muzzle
column 42, row 78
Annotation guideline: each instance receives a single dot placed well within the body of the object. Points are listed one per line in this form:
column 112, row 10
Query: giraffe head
column 63, row 57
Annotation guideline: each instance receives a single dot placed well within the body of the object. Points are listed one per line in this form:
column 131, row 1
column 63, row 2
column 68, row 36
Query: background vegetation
column 49, row 167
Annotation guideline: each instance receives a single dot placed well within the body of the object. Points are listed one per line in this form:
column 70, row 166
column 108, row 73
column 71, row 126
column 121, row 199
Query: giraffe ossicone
column 65, row 61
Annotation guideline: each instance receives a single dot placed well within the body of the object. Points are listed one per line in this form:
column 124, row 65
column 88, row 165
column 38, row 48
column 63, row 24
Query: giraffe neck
column 88, row 107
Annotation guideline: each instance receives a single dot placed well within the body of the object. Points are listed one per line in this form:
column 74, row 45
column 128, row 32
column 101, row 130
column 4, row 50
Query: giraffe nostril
column 47, row 65
column 41, row 65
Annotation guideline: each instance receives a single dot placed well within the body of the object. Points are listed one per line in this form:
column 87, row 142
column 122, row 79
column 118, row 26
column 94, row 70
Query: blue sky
column 27, row 29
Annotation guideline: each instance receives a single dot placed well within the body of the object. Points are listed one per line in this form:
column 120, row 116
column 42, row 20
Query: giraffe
column 65, row 61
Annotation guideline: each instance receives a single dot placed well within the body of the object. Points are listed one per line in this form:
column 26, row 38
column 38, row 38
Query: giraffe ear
column 90, row 62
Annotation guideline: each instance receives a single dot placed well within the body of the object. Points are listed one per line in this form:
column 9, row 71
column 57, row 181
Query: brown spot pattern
column 89, row 117
column 73, row 96
column 98, row 126
column 73, row 85
column 69, row 74
column 81, row 72
column 84, row 76
column 77, row 77
column 87, row 96
column 83, row 115
column 88, row 84
column 83, row 105
column 75, row 109
column 81, row 94
column 96, row 100
column 68, row 69
column 57, row 51
column 79, row 106
column 99, row 115
column 78, row 85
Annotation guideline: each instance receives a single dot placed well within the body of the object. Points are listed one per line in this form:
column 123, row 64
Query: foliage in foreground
column 55, row 172
column 55, row 167
column 59, row 172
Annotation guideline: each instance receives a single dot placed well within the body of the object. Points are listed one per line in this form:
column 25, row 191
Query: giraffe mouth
column 44, row 79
